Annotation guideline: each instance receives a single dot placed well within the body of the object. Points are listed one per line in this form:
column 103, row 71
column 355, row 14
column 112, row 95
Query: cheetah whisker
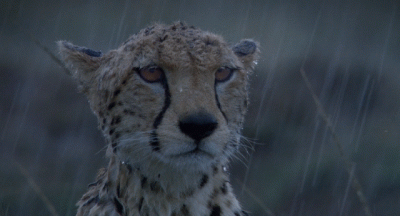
column 152, row 100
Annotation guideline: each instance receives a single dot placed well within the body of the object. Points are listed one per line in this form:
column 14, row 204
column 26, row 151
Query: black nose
column 198, row 126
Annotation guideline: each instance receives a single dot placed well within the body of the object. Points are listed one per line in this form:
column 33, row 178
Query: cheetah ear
column 248, row 52
column 82, row 61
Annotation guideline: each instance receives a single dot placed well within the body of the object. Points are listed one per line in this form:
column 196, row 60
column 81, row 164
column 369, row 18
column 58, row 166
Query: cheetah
column 170, row 102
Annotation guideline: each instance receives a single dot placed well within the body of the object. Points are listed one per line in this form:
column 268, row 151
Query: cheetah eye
column 223, row 74
column 151, row 74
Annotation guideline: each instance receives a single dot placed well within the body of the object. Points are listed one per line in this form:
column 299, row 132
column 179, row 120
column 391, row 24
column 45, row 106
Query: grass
column 350, row 166
column 37, row 189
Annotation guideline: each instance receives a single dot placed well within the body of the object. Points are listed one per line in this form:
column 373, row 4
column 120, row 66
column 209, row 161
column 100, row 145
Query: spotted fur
column 168, row 140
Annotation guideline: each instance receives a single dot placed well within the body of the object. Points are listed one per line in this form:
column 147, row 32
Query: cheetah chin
column 171, row 102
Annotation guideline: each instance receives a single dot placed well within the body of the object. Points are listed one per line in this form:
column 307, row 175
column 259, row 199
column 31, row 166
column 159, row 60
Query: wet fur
column 149, row 172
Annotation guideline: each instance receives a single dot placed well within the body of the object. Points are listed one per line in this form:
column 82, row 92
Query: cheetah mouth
column 196, row 152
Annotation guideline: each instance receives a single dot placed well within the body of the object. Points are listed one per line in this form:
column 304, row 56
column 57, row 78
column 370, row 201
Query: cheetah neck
column 169, row 191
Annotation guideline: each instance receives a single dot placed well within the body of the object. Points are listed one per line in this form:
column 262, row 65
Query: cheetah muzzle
column 170, row 102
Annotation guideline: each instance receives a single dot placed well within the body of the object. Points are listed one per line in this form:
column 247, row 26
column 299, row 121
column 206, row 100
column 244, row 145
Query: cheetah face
column 170, row 94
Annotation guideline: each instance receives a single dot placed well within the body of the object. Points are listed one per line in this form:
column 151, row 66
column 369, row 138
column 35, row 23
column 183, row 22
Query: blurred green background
column 349, row 49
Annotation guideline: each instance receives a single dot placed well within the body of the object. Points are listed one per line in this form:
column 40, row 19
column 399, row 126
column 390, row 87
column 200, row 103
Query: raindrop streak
column 336, row 115
column 328, row 82
column 317, row 122
column 110, row 42
column 20, row 127
column 270, row 77
column 246, row 175
column 117, row 39
column 371, row 86
column 320, row 153
column 386, row 44
column 362, row 124
column 292, row 212
column 266, row 88
column 342, row 92
column 312, row 34
column 9, row 113
column 242, row 25
column 321, row 110
column 349, row 183
column 360, row 105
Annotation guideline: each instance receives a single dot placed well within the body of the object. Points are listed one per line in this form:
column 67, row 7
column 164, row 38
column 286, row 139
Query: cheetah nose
column 198, row 126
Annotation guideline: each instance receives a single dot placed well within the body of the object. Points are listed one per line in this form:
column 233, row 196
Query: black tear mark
column 154, row 142
column 237, row 214
column 218, row 104
column 203, row 181
column 167, row 102
column 216, row 211
column 118, row 206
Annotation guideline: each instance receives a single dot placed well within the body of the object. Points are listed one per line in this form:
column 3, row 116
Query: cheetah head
column 169, row 95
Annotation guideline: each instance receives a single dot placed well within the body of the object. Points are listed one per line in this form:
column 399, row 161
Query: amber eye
column 151, row 74
column 223, row 74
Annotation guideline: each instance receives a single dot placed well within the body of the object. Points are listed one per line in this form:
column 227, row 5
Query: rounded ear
column 82, row 61
column 248, row 52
